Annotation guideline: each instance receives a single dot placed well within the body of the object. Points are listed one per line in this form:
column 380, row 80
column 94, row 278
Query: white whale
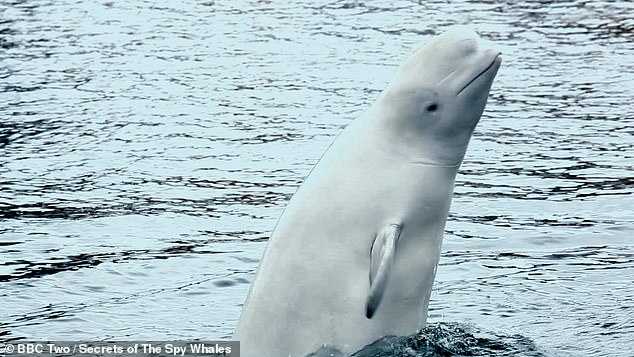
column 354, row 255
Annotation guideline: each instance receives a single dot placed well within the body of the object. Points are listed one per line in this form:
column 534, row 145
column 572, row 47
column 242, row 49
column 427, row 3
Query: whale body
column 354, row 255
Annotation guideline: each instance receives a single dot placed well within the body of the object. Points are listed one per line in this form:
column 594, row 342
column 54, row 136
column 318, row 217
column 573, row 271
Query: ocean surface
column 147, row 149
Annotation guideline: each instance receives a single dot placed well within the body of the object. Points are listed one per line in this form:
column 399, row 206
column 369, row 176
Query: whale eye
column 431, row 107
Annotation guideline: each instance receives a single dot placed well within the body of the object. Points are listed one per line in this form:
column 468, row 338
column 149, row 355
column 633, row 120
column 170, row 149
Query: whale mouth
column 496, row 62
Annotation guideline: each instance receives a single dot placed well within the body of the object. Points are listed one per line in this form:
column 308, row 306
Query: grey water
column 148, row 148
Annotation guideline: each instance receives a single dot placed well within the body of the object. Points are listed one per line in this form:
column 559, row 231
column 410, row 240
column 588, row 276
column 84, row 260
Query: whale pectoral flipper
column 381, row 260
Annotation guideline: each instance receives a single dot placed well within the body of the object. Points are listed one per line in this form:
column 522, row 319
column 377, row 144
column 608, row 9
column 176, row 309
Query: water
column 148, row 148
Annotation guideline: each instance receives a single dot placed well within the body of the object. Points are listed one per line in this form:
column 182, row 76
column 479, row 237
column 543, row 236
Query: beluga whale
column 354, row 255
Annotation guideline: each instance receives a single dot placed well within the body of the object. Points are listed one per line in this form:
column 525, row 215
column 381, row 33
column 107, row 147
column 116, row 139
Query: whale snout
column 453, row 60
column 464, row 60
column 464, row 48
column 492, row 60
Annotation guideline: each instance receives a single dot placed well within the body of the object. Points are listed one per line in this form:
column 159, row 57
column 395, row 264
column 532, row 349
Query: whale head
column 438, row 96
